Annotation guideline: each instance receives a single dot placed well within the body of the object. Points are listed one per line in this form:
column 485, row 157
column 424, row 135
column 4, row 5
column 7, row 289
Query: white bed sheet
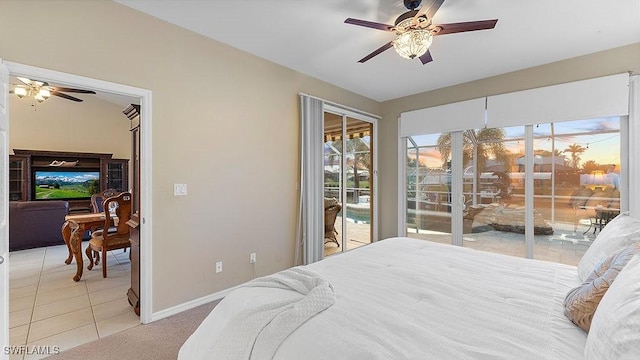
column 404, row 298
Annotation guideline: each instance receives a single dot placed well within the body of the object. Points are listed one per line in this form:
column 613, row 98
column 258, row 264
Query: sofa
column 35, row 224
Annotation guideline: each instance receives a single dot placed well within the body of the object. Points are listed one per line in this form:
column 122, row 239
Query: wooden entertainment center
column 22, row 165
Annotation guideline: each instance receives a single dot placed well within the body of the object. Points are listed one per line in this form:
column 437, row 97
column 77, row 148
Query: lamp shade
column 413, row 43
column 20, row 91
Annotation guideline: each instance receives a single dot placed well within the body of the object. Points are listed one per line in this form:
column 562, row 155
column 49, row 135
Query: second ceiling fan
column 415, row 30
column 41, row 90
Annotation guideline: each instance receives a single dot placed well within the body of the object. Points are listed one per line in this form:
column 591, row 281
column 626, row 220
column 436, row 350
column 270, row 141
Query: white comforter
column 411, row 299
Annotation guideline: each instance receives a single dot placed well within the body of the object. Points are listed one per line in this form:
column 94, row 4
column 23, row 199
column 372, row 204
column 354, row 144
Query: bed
column 399, row 298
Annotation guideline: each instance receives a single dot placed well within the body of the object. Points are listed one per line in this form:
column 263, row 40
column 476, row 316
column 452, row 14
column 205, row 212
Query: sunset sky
column 600, row 137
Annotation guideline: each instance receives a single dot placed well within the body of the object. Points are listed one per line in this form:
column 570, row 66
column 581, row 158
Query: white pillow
column 620, row 232
column 615, row 328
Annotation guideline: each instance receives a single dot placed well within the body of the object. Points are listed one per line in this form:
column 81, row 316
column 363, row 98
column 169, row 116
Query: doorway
column 145, row 154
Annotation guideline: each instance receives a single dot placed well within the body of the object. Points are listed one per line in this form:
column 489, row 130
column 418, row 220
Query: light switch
column 179, row 189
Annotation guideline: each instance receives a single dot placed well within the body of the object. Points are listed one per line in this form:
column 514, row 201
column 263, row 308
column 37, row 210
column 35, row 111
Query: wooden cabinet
column 19, row 184
column 133, row 113
column 23, row 165
column 115, row 174
column 133, row 294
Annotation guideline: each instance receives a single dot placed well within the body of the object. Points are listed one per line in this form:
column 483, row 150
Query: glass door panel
column 576, row 186
column 348, row 170
column 357, row 205
column 494, row 212
column 429, row 187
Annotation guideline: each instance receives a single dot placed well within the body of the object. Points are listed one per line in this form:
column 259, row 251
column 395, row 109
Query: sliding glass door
column 349, row 175
column 428, row 169
column 493, row 178
column 563, row 179
column 577, row 184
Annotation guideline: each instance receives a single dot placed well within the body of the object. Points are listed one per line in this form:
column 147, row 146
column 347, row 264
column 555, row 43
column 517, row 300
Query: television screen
column 73, row 184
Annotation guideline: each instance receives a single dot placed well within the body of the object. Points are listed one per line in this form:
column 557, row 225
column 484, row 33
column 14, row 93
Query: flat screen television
column 67, row 184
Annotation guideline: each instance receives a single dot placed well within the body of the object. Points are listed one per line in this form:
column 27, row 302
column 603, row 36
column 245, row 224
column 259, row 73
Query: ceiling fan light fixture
column 44, row 93
column 39, row 97
column 20, row 91
column 413, row 43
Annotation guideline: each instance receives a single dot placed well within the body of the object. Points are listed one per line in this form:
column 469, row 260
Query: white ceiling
column 310, row 36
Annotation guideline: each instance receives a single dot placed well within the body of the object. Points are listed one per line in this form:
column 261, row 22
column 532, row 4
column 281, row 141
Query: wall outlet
column 252, row 258
column 218, row 267
column 179, row 189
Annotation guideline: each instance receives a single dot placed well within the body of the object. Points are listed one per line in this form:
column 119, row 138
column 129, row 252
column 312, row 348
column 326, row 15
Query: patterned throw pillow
column 614, row 331
column 581, row 303
column 620, row 232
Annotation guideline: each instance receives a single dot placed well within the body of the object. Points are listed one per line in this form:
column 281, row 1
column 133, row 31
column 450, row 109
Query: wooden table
column 72, row 230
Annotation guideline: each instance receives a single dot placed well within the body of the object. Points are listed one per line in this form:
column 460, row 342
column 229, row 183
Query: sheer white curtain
column 310, row 230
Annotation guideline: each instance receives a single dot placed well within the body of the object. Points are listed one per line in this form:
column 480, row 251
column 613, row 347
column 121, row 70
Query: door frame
column 4, row 210
column 373, row 120
column 146, row 275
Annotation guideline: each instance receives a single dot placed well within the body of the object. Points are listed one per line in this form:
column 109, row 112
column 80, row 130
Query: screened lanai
column 575, row 175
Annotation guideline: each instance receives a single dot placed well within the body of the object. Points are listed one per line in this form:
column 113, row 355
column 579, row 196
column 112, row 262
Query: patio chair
column 331, row 210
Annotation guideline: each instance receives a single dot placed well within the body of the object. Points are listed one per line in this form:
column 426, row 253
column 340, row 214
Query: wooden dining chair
column 102, row 241
column 98, row 198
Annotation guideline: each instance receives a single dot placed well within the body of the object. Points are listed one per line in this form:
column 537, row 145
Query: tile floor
column 48, row 309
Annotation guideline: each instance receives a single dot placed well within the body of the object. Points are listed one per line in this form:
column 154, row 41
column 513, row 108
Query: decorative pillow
column 582, row 301
column 620, row 232
column 614, row 333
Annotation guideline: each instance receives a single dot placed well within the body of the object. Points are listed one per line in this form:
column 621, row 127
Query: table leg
column 66, row 235
column 77, row 230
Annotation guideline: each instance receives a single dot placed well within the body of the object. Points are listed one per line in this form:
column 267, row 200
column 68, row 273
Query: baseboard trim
column 191, row 304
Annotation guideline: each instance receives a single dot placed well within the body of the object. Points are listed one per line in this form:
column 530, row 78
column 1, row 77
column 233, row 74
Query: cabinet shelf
column 113, row 172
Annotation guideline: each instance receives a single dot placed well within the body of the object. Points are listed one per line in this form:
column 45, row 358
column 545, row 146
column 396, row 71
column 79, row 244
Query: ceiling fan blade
column 71, row 90
column 429, row 9
column 65, row 96
column 377, row 52
column 443, row 29
column 34, row 83
column 369, row 24
column 24, row 80
column 426, row 57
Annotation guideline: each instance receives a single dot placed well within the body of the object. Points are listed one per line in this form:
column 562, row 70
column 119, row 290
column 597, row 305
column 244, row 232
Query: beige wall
column 57, row 124
column 224, row 122
column 609, row 62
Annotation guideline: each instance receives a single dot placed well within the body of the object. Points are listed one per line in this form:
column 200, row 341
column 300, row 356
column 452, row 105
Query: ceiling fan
column 415, row 31
column 41, row 90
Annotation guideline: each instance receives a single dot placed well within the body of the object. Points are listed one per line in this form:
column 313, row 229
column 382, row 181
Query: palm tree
column 361, row 156
column 482, row 143
column 487, row 141
column 575, row 150
column 590, row 165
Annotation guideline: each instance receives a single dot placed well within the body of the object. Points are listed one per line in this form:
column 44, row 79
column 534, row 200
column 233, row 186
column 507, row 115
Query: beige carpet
column 159, row 340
